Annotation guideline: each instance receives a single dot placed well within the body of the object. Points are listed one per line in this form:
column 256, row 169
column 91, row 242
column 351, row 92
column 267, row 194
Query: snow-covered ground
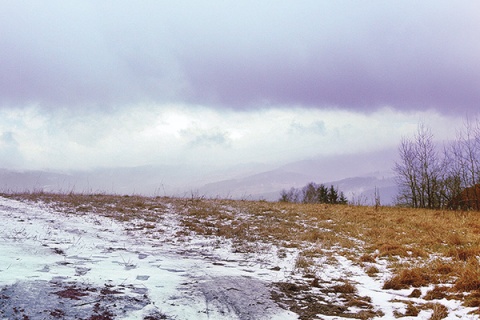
column 56, row 265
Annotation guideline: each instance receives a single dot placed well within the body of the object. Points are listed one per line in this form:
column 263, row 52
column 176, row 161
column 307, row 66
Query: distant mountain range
column 366, row 173
column 249, row 181
column 268, row 185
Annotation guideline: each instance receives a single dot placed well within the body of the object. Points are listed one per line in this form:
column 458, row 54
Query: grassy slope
column 422, row 247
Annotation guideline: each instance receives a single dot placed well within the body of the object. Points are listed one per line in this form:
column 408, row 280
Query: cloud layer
column 241, row 55
column 181, row 136
column 87, row 84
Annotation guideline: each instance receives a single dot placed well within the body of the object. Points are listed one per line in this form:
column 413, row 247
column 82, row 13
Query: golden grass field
column 421, row 247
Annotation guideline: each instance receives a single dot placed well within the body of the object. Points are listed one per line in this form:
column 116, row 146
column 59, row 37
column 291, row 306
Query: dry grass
column 372, row 271
column 469, row 276
column 122, row 208
column 407, row 238
column 436, row 293
column 439, row 310
column 411, row 277
column 396, row 232
column 473, row 299
column 346, row 287
column 411, row 310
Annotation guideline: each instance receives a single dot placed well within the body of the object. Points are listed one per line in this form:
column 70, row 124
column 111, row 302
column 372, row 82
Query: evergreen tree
column 342, row 199
column 322, row 194
column 332, row 195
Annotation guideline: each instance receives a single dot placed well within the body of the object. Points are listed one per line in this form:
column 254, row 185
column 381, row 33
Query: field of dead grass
column 421, row 247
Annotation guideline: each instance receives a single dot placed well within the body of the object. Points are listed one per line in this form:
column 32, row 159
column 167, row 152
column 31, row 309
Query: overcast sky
column 85, row 83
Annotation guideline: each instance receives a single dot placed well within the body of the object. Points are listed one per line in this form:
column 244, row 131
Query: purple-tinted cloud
column 241, row 55
column 385, row 56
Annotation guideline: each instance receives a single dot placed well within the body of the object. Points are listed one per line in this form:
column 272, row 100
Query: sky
column 86, row 84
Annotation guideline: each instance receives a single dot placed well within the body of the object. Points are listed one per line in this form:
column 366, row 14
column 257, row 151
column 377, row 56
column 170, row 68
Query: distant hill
column 146, row 180
column 361, row 190
column 247, row 181
column 356, row 175
column 258, row 186
column 268, row 185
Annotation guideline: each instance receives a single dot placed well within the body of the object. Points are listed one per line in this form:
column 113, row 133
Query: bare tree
column 451, row 174
column 406, row 174
column 292, row 195
column 309, row 193
column 428, row 168
column 464, row 161
column 418, row 171
column 426, row 180
column 377, row 198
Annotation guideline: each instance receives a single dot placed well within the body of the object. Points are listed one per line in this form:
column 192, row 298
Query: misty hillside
column 268, row 186
column 149, row 180
column 356, row 175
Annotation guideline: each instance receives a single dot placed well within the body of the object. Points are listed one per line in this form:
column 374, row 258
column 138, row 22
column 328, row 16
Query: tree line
column 433, row 176
column 313, row 193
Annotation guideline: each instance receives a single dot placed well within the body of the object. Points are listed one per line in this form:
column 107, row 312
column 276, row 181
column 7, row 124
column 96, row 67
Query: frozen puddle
column 55, row 265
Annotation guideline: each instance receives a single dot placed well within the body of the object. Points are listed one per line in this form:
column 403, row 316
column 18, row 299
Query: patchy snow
column 70, row 266
column 45, row 253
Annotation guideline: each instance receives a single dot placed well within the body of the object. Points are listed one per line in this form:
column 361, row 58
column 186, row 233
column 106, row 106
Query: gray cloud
column 10, row 156
column 7, row 138
column 316, row 127
column 241, row 55
column 206, row 138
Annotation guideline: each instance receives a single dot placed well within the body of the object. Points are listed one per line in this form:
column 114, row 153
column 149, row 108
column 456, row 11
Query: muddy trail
column 60, row 266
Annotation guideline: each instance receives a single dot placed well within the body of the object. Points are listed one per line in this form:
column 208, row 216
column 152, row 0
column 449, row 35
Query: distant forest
column 313, row 193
